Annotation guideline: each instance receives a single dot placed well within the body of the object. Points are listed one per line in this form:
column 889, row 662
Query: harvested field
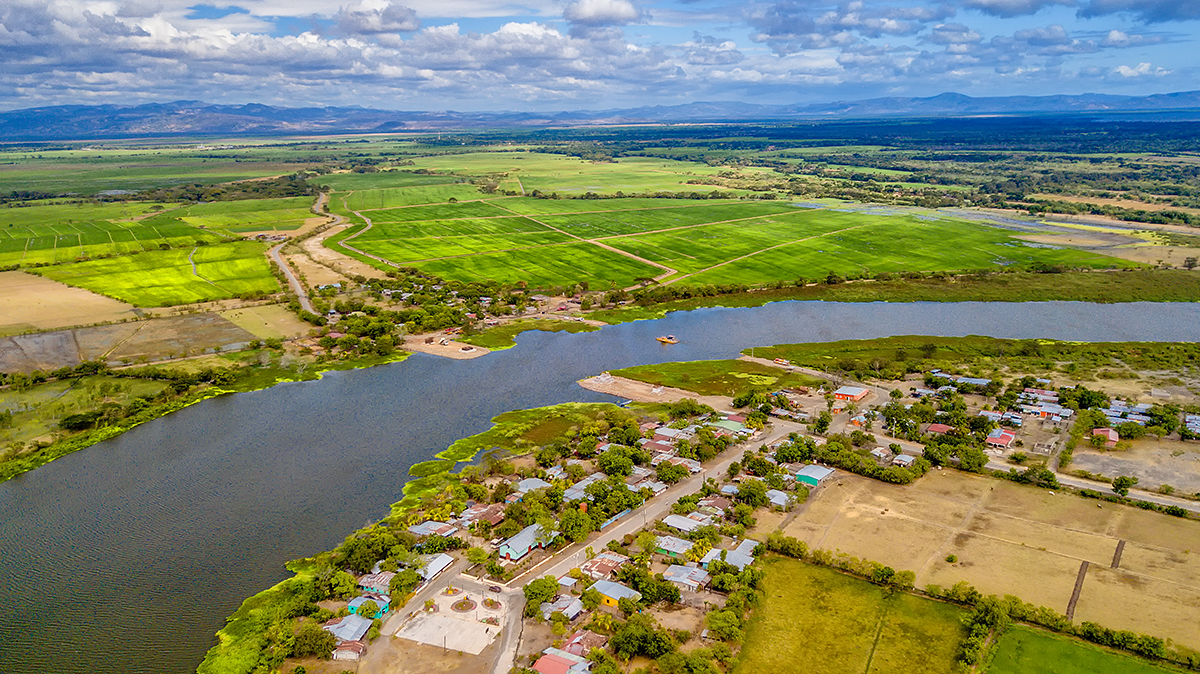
column 1002, row 567
column 272, row 320
column 1122, row 600
column 29, row 302
column 1019, row 540
column 139, row 341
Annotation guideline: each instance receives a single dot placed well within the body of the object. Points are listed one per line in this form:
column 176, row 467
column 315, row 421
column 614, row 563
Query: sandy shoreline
column 452, row 349
column 640, row 391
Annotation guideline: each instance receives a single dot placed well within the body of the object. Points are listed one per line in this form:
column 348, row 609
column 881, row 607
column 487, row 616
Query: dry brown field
column 271, row 320
column 1024, row 541
column 1153, row 462
column 29, row 302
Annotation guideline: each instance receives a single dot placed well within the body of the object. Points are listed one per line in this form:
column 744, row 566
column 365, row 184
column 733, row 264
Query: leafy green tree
column 403, row 583
column 821, row 425
column 972, row 459
column 342, row 585
column 615, row 461
column 725, row 625
column 368, row 609
column 575, row 525
column 753, row 493
column 477, row 555
column 312, row 640
column 537, row 592
column 1122, row 484
column 670, row 473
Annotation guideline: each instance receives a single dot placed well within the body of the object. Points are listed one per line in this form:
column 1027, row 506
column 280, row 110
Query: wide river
column 127, row 557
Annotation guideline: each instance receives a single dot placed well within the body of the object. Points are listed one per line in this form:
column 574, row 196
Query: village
column 679, row 516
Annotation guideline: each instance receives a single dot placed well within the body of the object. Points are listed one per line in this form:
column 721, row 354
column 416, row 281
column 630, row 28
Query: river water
column 127, row 557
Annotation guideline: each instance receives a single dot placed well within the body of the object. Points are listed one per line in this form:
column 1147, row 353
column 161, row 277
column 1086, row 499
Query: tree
column 1189, row 263
column 972, row 459
column 615, row 461
column 368, row 609
column 477, row 555
column 1122, row 484
column 671, row 473
column 821, row 425
column 312, row 640
column 753, row 493
column 725, row 625
column 403, row 583
column 575, row 525
column 342, row 585
column 537, row 592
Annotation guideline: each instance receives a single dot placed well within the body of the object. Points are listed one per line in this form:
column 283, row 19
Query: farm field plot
column 611, row 223
column 530, row 206
column 836, row 624
column 165, row 277
column 430, row 248
column 384, row 180
column 467, row 209
column 29, row 302
column 894, row 244
column 57, row 233
column 94, row 174
column 569, row 175
column 1014, row 539
column 545, row 266
column 252, row 215
column 1025, row 649
column 371, row 200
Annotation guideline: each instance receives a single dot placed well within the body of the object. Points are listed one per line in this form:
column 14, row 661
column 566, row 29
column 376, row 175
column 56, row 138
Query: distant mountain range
column 194, row 118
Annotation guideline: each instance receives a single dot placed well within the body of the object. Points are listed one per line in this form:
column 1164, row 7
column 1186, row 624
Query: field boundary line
column 878, row 634
column 1116, row 563
column 196, row 272
column 1083, row 569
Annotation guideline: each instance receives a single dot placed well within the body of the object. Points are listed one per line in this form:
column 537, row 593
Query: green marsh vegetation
column 718, row 377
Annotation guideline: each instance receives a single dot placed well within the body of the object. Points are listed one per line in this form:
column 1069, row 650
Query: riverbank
column 244, row 375
column 240, row 644
column 1153, row 285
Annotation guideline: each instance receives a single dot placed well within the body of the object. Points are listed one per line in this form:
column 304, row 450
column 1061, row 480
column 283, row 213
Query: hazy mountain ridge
column 185, row 118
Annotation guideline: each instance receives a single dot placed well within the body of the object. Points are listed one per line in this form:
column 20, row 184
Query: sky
column 549, row 55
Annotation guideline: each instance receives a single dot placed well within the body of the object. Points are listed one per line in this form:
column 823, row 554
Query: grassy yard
column 502, row 336
column 818, row 621
column 165, row 277
column 1025, row 649
column 717, row 377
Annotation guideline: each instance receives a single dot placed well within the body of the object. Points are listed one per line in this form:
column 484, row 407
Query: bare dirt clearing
column 1153, row 462
column 1013, row 539
column 29, row 302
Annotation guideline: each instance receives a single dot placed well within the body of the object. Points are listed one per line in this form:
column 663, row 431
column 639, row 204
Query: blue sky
column 546, row 55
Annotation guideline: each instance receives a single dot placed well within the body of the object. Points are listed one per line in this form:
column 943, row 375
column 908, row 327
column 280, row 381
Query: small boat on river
column 668, row 339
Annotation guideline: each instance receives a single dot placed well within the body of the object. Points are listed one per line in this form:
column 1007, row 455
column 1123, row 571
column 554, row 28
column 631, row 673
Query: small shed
column 904, row 460
column 689, row 578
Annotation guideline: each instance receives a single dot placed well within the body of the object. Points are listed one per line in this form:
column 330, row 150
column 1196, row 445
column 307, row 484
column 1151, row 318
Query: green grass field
column 165, row 277
column 717, row 377
column 55, row 233
column 818, row 621
column 704, row 241
column 251, row 215
column 1025, row 649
